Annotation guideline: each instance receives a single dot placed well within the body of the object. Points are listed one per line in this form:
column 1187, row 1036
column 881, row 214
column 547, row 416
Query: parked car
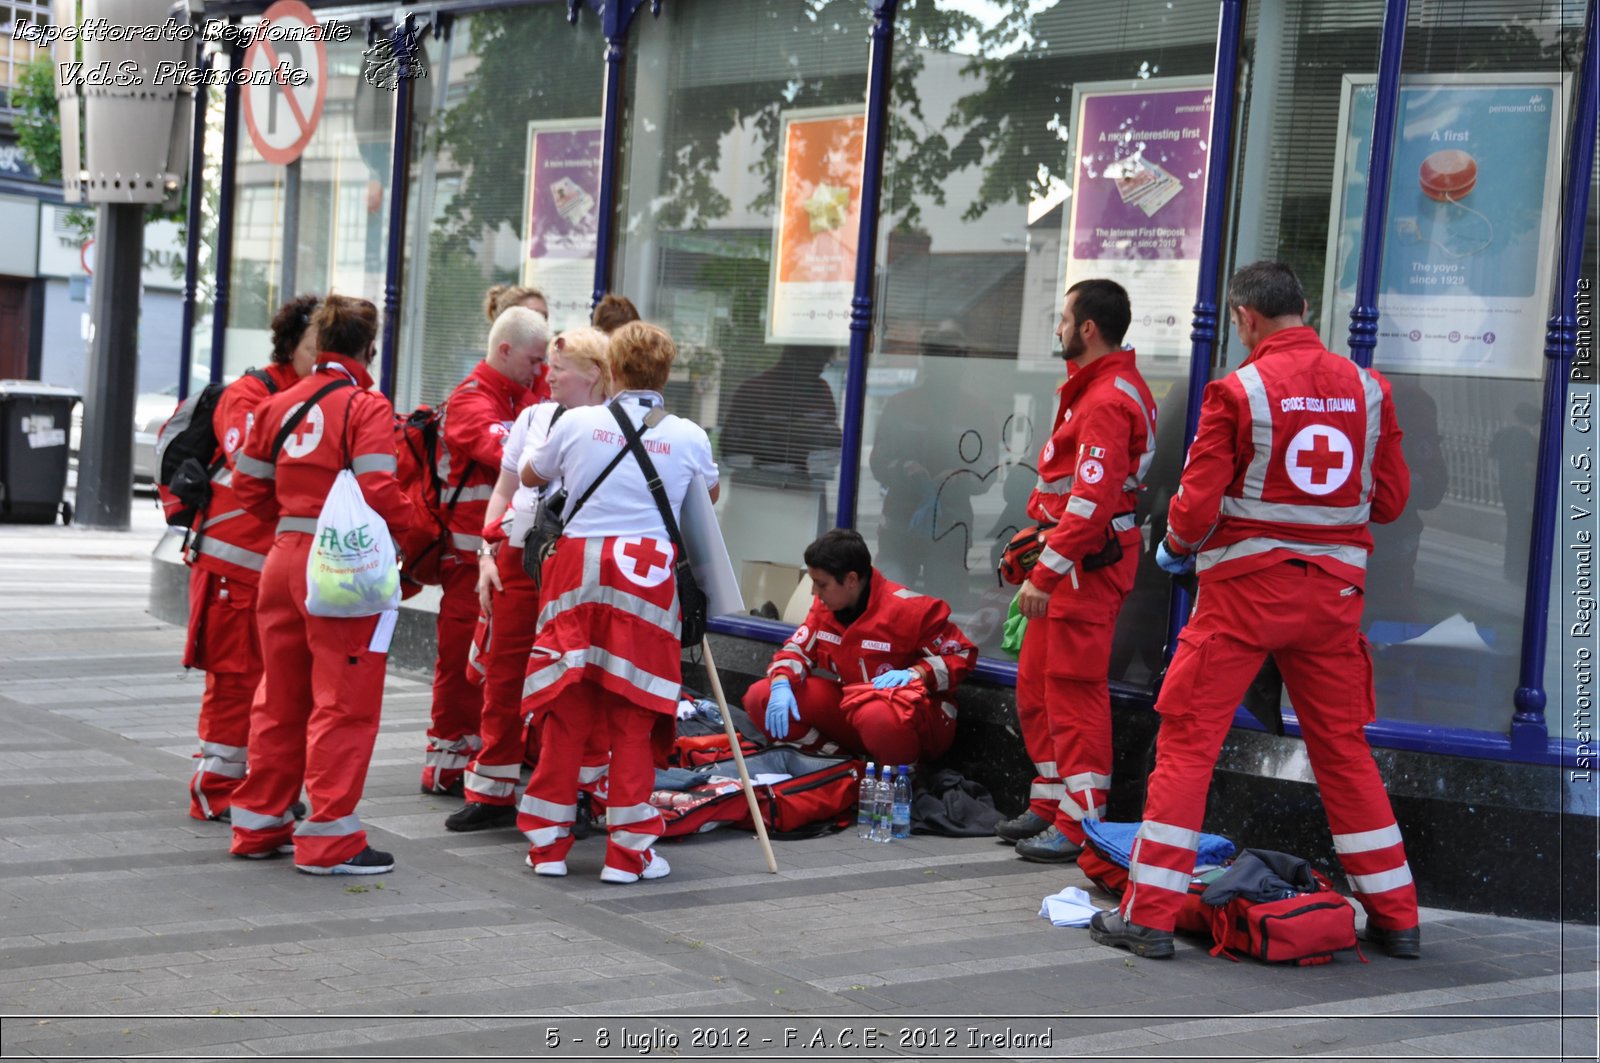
column 150, row 411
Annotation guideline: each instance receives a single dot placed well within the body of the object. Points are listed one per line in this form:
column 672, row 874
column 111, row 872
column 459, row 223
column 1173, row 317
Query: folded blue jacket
column 1115, row 840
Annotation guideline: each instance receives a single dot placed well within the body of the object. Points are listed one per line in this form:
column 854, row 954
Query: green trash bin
column 35, row 430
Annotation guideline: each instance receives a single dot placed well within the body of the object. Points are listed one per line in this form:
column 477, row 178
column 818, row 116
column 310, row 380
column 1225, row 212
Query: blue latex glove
column 1173, row 563
column 780, row 707
column 897, row 678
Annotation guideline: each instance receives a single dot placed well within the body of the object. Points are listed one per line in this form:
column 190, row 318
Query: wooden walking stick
column 738, row 757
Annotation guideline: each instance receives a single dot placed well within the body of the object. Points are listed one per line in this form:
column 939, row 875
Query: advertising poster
column 818, row 223
column 1137, row 207
column 1465, row 282
column 563, row 220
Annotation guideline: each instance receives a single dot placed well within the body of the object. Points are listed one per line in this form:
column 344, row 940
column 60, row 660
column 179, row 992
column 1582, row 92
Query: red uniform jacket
column 1093, row 467
column 1296, row 450
column 478, row 416
column 900, row 629
column 351, row 427
column 233, row 542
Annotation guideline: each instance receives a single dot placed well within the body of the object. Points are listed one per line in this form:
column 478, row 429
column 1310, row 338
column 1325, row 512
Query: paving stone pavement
column 125, row 929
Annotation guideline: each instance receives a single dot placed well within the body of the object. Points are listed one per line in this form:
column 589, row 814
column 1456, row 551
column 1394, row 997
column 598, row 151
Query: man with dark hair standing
column 1090, row 474
column 1296, row 451
column 893, row 656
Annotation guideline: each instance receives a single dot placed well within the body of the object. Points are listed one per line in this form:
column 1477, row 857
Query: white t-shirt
column 527, row 431
column 585, row 440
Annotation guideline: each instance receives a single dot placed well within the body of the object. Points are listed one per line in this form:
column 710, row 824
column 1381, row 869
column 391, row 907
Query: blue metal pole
column 1385, row 112
column 1203, row 334
column 1529, row 730
column 404, row 38
column 611, row 124
column 227, row 181
column 191, row 251
column 855, row 378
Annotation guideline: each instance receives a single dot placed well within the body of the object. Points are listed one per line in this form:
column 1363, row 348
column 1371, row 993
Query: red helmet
column 1020, row 554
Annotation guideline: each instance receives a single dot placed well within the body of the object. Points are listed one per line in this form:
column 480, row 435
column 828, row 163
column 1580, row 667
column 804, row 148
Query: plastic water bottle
column 882, row 808
column 900, row 822
column 865, row 801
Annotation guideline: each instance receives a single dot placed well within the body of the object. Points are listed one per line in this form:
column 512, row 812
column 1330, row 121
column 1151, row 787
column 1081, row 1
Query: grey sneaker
column 1024, row 826
column 1049, row 847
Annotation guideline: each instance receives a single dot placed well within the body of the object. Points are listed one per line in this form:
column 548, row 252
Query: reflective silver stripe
column 445, row 760
column 941, row 674
column 1046, row 768
column 622, row 815
column 1077, row 813
column 1160, row 877
column 297, row 524
column 479, row 493
column 792, row 666
column 621, row 600
column 1079, row 506
column 1149, row 454
column 465, row 542
column 547, row 810
column 1062, row 486
column 808, row 738
column 453, row 745
column 1355, row 556
column 1166, row 834
column 1367, row 840
column 1126, row 522
column 228, row 769
column 261, row 470
column 234, row 555
column 828, row 747
column 1087, row 781
column 606, row 661
column 220, row 517
column 1055, row 562
column 627, row 839
column 947, row 707
column 1255, row 391
column 542, row 836
column 497, row 771
column 1374, row 394
column 1047, row 791
column 248, row 820
column 482, row 784
column 589, row 774
column 223, row 477
column 217, row 749
column 365, row 463
column 1382, row 882
column 333, row 828
column 907, row 592
column 1290, row 513
column 1180, row 540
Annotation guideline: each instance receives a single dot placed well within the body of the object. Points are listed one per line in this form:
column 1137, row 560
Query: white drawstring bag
column 351, row 569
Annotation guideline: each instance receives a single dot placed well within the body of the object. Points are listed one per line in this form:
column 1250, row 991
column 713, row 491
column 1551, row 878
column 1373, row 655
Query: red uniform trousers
column 316, row 723
column 1064, row 696
column 508, row 743
column 568, row 727
column 1307, row 619
column 902, row 726
column 223, row 642
column 457, row 701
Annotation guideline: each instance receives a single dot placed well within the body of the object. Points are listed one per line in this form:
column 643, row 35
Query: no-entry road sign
column 282, row 116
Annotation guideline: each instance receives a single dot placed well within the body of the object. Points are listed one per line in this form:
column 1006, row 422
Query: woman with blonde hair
column 579, row 375
column 607, row 652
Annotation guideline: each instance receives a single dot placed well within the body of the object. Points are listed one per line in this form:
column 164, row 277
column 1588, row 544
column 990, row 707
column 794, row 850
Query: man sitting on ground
column 872, row 670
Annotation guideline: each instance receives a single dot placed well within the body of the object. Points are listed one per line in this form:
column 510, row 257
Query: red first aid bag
column 1305, row 929
column 819, row 794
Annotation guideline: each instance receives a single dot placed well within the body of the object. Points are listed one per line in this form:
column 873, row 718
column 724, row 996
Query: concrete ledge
column 1482, row 836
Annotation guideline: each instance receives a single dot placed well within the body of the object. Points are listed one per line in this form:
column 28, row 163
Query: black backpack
column 186, row 453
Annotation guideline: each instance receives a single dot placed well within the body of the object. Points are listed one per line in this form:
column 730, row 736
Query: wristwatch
column 486, row 549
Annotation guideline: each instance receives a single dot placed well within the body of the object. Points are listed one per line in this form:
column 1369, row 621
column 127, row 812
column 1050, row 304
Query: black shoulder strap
column 658, row 490
column 299, row 415
column 566, row 518
column 265, row 378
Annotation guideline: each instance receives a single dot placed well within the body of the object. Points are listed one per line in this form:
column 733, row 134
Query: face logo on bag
column 1320, row 459
column 642, row 560
column 230, row 442
column 307, row 434
column 1091, row 471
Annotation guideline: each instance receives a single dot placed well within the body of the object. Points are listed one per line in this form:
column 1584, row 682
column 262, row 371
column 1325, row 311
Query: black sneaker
column 583, row 821
column 1108, row 928
column 475, row 815
column 298, row 809
column 1049, row 847
column 1401, row 944
column 1024, row 826
column 368, row 861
